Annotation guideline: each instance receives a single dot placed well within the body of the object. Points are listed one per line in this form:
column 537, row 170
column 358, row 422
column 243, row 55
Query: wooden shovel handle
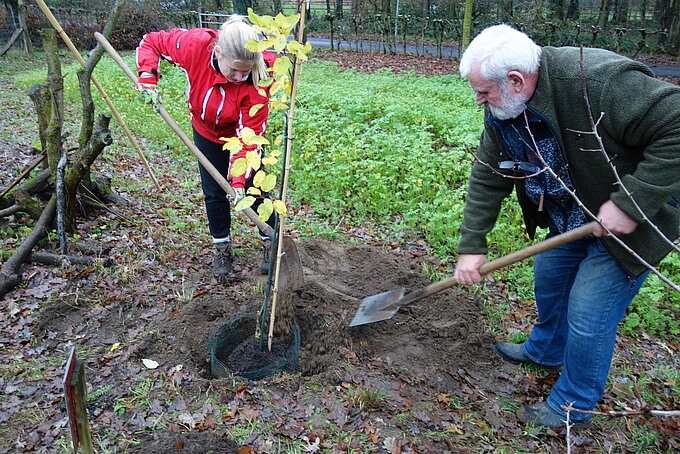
column 500, row 262
column 266, row 228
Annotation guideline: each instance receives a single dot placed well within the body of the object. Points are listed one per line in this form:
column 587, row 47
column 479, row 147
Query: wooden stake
column 53, row 20
column 75, row 391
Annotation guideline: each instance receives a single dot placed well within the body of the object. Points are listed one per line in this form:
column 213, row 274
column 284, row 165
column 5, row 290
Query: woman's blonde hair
column 231, row 40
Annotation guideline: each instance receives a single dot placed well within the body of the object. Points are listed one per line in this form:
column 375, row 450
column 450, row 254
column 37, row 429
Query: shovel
column 384, row 305
column 290, row 274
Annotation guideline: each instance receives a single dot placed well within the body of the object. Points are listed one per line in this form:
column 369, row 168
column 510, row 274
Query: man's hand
column 612, row 217
column 148, row 92
column 240, row 194
column 467, row 269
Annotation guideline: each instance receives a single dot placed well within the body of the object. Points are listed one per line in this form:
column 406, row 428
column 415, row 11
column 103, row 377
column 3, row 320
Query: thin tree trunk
column 603, row 17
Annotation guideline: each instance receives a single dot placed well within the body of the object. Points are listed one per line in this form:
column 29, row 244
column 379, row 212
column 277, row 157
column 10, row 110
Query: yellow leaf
column 258, row 46
column 280, row 43
column 262, row 93
column 233, row 144
column 294, row 47
column 114, row 346
column 282, row 65
column 244, row 203
column 254, row 159
column 280, row 207
column 265, row 210
column 276, row 152
column 246, row 134
column 258, row 178
column 269, row 161
column 239, row 167
column 278, row 139
column 276, row 87
column 268, row 183
column 277, row 105
column 254, row 191
column 265, row 82
column 253, row 110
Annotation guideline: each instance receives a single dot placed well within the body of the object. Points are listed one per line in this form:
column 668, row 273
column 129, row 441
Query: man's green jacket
column 638, row 123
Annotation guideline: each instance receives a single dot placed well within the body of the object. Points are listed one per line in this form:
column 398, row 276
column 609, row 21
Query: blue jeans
column 581, row 294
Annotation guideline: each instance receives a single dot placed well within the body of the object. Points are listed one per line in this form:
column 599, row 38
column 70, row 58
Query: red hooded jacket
column 218, row 108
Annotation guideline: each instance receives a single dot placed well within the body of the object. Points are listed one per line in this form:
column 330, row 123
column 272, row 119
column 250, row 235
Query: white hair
column 499, row 49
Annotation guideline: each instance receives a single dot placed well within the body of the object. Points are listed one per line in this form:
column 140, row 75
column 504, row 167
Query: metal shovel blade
column 378, row 307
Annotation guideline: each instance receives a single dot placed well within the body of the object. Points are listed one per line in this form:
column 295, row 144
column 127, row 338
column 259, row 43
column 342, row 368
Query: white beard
column 512, row 106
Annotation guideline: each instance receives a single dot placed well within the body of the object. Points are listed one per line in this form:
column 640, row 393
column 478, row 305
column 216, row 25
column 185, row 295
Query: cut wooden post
column 76, row 396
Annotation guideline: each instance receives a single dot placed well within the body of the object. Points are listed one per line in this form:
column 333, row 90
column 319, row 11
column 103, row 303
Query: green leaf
column 256, row 108
column 265, row 210
column 244, row 203
column 268, row 183
column 239, row 167
column 253, row 158
column 280, row 207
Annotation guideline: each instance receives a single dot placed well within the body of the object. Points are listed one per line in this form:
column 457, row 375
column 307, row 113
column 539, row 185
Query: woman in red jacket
column 222, row 80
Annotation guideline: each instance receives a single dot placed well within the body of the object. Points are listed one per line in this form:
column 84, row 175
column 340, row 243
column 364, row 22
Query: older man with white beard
column 536, row 116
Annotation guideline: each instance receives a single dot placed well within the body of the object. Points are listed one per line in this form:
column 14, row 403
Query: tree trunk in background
column 621, row 12
column 574, row 10
column 339, row 13
column 356, row 7
column 669, row 13
column 558, row 8
column 467, row 26
column 426, row 8
column 603, row 18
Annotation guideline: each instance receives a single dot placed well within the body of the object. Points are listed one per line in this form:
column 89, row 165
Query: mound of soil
column 438, row 343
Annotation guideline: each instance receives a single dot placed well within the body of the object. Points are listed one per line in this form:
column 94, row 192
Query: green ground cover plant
column 384, row 148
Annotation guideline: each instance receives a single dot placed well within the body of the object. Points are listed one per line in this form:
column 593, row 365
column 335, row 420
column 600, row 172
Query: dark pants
column 217, row 204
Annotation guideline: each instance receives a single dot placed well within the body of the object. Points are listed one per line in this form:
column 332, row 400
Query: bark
column 621, row 12
column 338, row 9
column 669, row 12
column 467, row 26
column 573, row 11
column 603, row 17
column 10, row 274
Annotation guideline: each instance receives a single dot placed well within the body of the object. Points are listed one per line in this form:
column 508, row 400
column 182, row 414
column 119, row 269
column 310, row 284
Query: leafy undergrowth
column 119, row 315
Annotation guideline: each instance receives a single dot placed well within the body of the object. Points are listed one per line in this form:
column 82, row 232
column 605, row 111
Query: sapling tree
column 280, row 85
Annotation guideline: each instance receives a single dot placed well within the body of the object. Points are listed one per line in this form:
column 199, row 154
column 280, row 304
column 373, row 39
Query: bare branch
column 616, row 413
column 594, row 124
column 593, row 216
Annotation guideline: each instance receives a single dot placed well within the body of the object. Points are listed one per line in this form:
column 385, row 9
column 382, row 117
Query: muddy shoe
column 514, row 353
column 222, row 265
column 267, row 249
column 542, row 414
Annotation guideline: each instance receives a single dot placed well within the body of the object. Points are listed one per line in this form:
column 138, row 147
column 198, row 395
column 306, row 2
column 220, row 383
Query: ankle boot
column 222, row 264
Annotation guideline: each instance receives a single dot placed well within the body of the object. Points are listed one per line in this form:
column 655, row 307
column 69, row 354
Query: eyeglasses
column 518, row 165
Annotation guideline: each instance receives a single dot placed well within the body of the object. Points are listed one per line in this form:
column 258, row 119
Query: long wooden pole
column 284, row 184
column 224, row 184
column 53, row 20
